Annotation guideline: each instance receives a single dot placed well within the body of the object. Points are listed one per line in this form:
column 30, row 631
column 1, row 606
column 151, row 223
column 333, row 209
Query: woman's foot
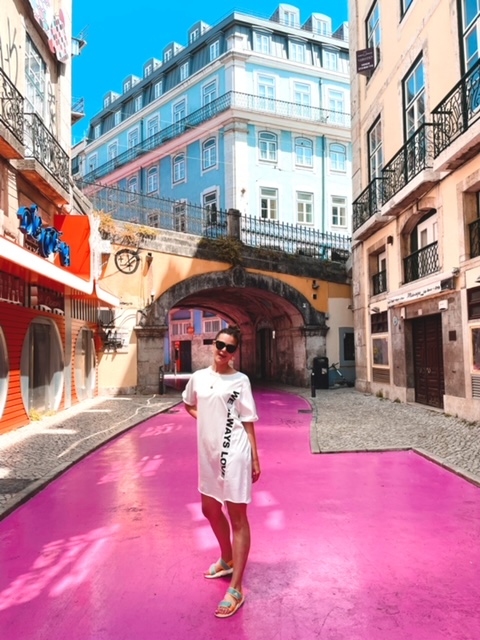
column 230, row 604
column 219, row 569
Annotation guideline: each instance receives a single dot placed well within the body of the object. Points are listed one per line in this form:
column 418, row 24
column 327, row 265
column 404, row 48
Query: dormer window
column 106, row 102
column 321, row 27
column 127, row 85
column 290, row 19
column 214, row 50
column 167, row 55
column 194, row 35
column 158, row 89
column 147, row 71
column 297, row 51
column 261, row 42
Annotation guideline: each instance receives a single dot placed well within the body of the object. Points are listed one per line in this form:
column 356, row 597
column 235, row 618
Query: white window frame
column 179, row 110
column 375, row 150
column 96, row 131
column 92, row 162
column 209, row 92
column 148, row 70
column 302, row 96
column 262, row 42
column 267, row 146
column 152, row 126
column 338, row 157
column 106, row 102
column 321, row 27
column 194, row 35
column 112, row 150
column 132, row 188
column 127, row 86
column 138, row 104
column 330, row 59
column 179, row 169
column 211, row 325
column 414, row 98
column 297, row 51
column 290, row 18
column 266, row 90
column 304, row 207
column 184, row 71
column 209, row 154
column 158, row 89
column 35, row 78
column 268, row 203
column 168, row 55
column 304, row 152
column 152, row 180
column 339, row 211
column 336, row 106
column 132, row 135
column 214, row 50
column 210, row 199
column 117, row 117
column 374, row 31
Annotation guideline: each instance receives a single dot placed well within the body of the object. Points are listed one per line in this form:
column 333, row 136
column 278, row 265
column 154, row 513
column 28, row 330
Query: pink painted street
column 347, row 546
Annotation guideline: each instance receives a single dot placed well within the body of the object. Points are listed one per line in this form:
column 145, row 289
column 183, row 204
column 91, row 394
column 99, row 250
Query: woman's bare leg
column 212, row 510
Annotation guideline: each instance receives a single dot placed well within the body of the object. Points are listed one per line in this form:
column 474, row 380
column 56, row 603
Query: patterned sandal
column 232, row 607
column 226, row 569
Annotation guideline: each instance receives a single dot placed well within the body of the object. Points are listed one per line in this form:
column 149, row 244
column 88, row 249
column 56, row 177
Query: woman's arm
column 250, row 429
column 191, row 409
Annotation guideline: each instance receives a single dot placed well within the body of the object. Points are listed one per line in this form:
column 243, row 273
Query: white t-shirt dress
column 223, row 402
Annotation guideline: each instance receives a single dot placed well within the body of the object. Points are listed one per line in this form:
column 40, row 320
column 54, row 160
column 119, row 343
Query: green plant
column 107, row 225
column 128, row 235
column 227, row 249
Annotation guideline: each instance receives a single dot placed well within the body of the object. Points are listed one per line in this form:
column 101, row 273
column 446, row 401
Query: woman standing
column 221, row 400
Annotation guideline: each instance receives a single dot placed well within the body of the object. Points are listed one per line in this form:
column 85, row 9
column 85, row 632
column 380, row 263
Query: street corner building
column 49, row 295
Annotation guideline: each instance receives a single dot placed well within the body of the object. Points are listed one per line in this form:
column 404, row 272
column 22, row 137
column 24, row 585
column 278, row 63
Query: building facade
column 416, row 186
column 49, row 297
column 251, row 114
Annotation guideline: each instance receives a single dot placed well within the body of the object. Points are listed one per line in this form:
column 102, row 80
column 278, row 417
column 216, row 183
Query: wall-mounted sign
column 411, row 296
column 47, row 238
column 366, row 61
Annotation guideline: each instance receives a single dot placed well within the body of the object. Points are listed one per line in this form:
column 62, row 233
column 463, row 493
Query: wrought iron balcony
column 44, row 148
column 415, row 156
column 368, row 203
column 458, row 110
column 474, row 233
column 379, row 282
column 230, row 100
column 11, row 108
column 421, row 263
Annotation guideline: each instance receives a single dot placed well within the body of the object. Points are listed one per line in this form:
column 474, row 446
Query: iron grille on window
column 421, row 263
column 379, row 322
column 474, row 232
column 474, row 303
column 379, row 281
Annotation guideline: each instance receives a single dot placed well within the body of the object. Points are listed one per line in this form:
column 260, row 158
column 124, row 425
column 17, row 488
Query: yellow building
column 416, row 256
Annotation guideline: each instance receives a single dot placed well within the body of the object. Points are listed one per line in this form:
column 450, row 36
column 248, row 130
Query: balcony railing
column 232, row 99
column 42, row 146
column 474, row 232
column 421, row 263
column 415, row 156
column 458, row 110
column 78, row 105
column 379, row 282
column 368, row 203
column 11, row 107
column 186, row 217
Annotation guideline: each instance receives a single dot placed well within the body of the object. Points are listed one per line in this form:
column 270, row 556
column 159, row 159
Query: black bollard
column 312, row 383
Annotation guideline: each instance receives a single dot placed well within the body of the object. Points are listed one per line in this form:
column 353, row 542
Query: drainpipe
column 324, row 161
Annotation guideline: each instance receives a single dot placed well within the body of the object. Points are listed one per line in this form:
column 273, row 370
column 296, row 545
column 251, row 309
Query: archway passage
column 280, row 329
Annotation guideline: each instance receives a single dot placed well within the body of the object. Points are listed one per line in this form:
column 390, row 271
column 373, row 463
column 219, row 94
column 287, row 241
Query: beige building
column 416, row 136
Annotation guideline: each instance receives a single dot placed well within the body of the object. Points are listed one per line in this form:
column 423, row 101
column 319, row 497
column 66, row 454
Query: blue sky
column 122, row 35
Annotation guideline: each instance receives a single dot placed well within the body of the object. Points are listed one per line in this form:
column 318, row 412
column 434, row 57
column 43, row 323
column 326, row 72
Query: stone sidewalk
column 342, row 420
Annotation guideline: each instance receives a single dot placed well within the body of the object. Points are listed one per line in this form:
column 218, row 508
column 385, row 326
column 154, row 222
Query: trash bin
column 320, row 372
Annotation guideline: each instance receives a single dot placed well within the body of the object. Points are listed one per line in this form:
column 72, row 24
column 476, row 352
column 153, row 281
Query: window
column 338, row 157
column 209, row 201
column 321, row 27
column 184, row 71
column 297, row 52
column 290, row 18
column 179, row 110
column 214, row 50
column 167, row 55
column 132, row 139
column 209, row 154
column 147, row 71
column 96, row 131
column 379, row 322
column 414, row 98
column 407, row 3
column 92, row 162
column 118, row 117
column 209, row 93
column 132, row 188
column 212, row 325
column 268, row 203
column 375, row 150
column 473, row 300
column 267, row 145
column 373, row 32
column 261, row 42
column 138, row 103
column 127, row 86
column 179, row 167
column 339, row 211
column 304, row 207
column 303, row 152
column 106, row 102
column 112, row 150
column 330, row 60
column 152, row 180
column 157, row 89
column 179, row 216
column 336, row 104
column 153, row 220
column 302, row 97
column 266, row 91
column 152, row 126
column 194, row 35
column 470, row 31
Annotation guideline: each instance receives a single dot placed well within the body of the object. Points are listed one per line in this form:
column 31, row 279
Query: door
column 264, row 342
column 185, row 356
column 428, row 361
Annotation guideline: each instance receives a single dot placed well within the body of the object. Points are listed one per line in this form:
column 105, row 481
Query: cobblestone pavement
column 342, row 420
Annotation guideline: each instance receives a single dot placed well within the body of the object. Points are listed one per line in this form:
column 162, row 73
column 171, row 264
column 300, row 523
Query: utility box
column 320, row 372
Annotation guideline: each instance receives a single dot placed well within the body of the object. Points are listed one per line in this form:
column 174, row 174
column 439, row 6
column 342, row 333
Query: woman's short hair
column 231, row 331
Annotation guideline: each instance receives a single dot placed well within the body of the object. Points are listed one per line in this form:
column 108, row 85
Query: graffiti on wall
column 9, row 53
column 54, row 26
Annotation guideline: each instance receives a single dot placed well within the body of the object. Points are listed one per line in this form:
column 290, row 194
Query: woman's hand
column 255, row 470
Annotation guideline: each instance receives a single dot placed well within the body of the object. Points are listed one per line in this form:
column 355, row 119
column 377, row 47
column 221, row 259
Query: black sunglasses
column 219, row 345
